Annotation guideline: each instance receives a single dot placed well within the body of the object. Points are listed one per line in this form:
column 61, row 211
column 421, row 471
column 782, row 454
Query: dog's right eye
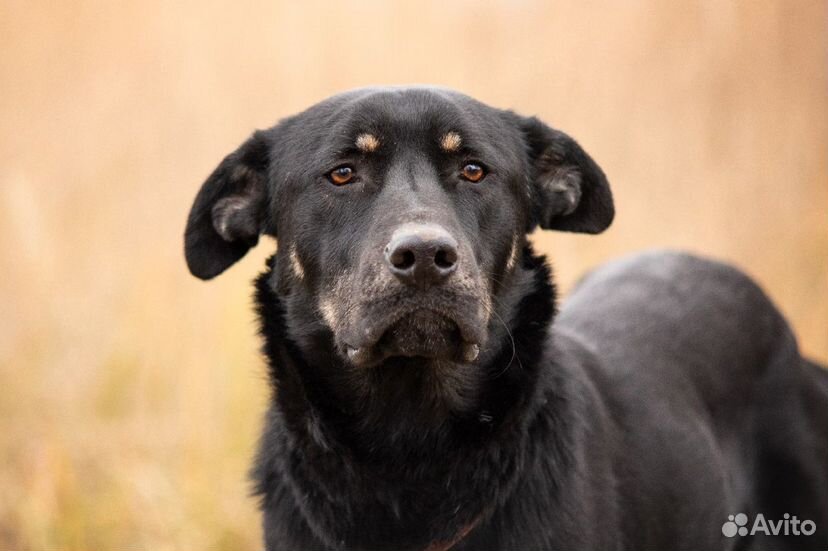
column 341, row 175
column 473, row 172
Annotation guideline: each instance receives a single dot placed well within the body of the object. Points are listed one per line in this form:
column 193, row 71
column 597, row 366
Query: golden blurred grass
column 131, row 393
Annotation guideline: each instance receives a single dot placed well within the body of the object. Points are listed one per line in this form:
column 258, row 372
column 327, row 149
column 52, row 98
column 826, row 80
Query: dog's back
column 699, row 365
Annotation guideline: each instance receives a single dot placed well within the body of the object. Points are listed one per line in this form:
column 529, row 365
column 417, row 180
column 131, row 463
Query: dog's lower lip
column 365, row 356
column 469, row 332
column 369, row 346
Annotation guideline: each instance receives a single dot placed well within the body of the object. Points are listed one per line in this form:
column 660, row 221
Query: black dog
column 422, row 397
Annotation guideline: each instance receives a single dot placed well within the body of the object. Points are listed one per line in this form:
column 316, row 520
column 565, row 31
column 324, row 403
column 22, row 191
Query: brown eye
column 341, row 175
column 473, row 172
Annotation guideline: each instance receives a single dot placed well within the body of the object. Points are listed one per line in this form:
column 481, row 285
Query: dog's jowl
column 426, row 396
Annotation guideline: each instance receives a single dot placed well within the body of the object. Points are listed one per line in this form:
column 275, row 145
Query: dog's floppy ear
column 570, row 190
column 228, row 213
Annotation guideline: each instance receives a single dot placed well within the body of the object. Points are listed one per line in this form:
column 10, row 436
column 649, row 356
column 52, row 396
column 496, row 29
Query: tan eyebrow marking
column 451, row 142
column 367, row 143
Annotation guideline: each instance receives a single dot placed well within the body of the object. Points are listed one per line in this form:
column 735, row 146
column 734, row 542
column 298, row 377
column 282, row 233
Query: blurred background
column 131, row 393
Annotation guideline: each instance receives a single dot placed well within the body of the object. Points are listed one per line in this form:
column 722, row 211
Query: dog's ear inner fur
column 571, row 192
column 227, row 215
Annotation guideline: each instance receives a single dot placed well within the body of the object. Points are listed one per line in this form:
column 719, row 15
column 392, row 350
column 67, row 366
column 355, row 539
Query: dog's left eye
column 473, row 172
column 341, row 175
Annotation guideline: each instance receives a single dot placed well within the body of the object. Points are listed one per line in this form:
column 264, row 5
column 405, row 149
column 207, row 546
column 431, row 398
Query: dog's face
column 399, row 215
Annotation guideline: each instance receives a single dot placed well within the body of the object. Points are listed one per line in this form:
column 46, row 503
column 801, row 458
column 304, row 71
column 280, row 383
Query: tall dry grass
column 130, row 393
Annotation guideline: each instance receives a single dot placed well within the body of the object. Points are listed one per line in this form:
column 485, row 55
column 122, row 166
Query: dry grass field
column 131, row 393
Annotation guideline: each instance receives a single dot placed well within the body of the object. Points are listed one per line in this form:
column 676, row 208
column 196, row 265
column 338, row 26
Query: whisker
column 512, row 341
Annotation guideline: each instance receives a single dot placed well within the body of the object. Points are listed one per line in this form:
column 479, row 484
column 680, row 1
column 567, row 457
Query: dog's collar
column 449, row 544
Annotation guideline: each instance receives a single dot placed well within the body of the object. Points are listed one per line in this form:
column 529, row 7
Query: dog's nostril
column 421, row 254
column 403, row 259
column 445, row 258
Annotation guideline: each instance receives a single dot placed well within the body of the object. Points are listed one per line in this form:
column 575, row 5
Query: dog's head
column 400, row 215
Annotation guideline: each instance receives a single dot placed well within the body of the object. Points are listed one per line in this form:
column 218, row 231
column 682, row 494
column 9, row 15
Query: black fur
column 668, row 393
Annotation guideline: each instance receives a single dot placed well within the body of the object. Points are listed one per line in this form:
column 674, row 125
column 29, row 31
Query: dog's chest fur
column 395, row 480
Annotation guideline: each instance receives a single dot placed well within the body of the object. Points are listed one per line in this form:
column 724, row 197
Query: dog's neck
column 419, row 465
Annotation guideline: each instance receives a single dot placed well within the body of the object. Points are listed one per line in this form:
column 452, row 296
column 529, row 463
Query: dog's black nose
column 421, row 254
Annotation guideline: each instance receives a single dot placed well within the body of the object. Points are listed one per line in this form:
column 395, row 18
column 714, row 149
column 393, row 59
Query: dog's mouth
column 421, row 333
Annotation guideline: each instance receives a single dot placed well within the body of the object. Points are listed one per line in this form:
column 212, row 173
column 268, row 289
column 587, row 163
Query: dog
column 427, row 396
